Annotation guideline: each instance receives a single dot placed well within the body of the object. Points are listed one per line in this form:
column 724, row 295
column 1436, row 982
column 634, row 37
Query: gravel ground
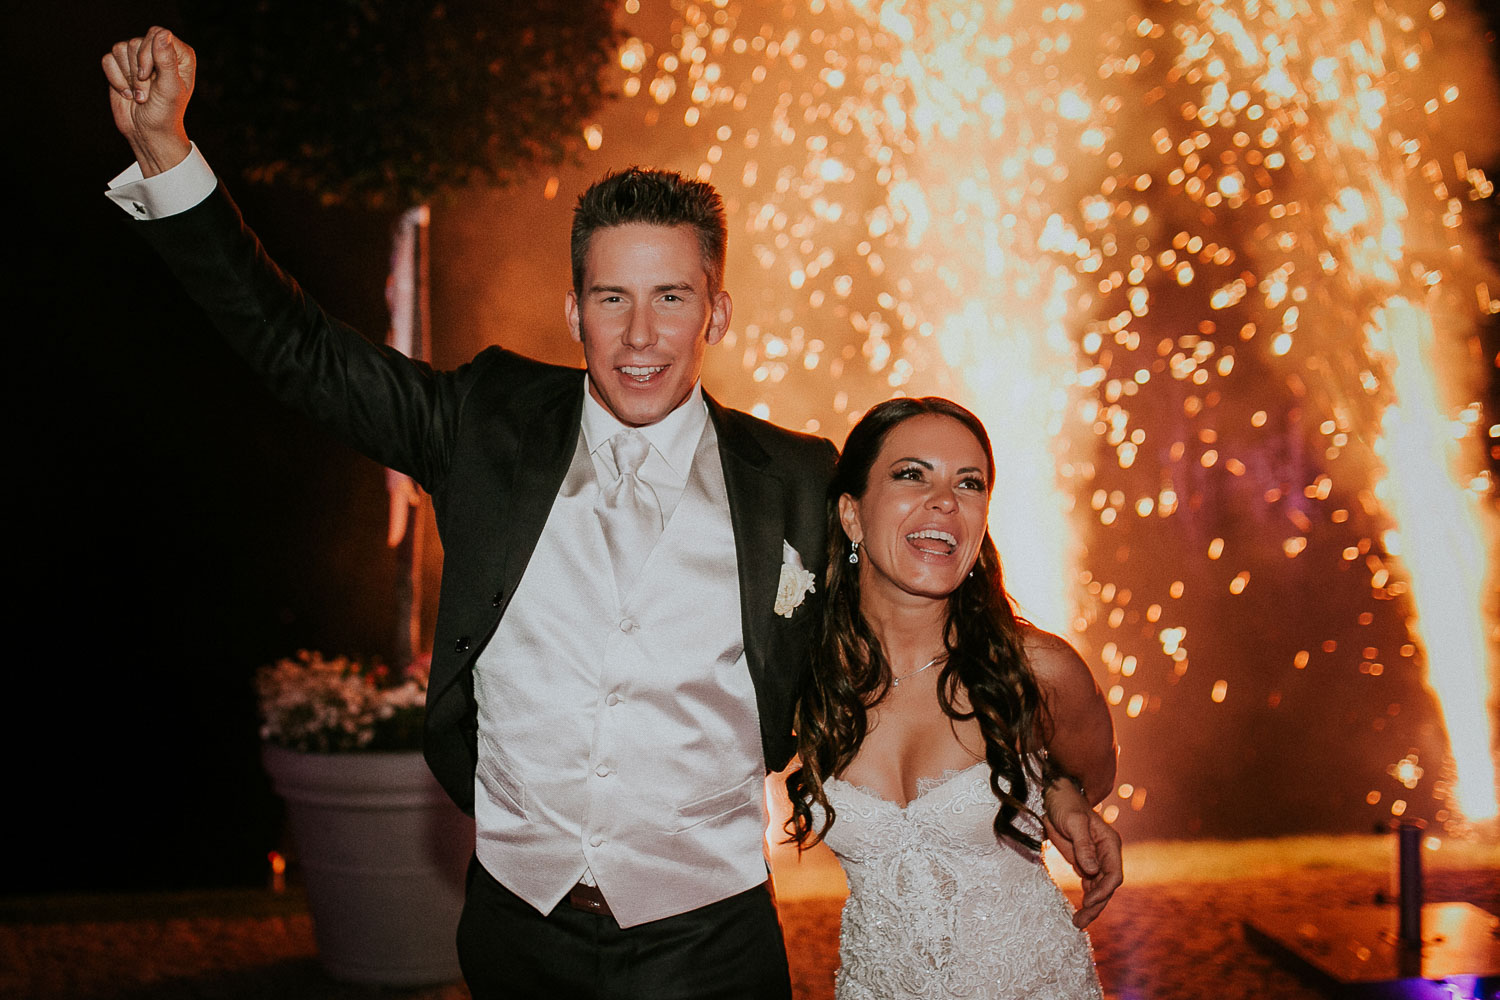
column 1174, row 932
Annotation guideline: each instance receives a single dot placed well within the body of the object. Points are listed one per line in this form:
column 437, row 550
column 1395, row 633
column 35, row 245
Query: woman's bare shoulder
column 1053, row 659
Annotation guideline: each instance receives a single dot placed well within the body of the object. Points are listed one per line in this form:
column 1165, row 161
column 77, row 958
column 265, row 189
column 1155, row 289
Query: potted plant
column 383, row 850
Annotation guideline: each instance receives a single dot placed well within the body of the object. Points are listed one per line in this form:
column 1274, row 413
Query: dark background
column 172, row 527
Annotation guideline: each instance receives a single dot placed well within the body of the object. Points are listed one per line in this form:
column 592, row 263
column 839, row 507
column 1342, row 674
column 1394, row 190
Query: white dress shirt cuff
column 168, row 193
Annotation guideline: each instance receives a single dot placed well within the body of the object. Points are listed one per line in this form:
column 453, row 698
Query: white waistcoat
column 619, row 734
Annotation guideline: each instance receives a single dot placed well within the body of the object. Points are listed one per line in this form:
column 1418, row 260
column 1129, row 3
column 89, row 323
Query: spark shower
column 1216, row 277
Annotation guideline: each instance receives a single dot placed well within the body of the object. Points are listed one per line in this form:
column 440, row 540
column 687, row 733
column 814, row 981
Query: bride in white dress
column 936, row 726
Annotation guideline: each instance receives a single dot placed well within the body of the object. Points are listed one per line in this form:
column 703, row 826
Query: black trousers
column 729, row 950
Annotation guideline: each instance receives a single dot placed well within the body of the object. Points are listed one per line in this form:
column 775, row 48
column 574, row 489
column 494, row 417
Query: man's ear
column 570, row 310
column 849, row 518
column 718, row 320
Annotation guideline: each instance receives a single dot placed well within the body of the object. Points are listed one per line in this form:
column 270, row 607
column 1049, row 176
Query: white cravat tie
column 629, row 510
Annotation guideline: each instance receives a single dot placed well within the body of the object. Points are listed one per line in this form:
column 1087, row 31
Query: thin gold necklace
column 896, row 681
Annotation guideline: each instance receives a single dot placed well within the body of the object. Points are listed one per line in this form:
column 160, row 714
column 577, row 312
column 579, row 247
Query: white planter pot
column 383, row 853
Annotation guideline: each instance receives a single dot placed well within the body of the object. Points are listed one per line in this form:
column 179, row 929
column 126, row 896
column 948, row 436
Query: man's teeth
column 935, row 535
column 639, row 372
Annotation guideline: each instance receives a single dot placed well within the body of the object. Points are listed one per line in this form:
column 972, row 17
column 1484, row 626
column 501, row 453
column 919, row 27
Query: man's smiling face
column 645, row 317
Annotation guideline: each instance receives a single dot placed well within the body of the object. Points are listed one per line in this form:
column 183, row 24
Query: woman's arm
column 1080, row 742
column 1079, row 734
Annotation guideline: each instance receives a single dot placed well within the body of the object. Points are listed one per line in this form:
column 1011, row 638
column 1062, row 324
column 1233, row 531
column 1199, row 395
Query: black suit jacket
column 491, row 442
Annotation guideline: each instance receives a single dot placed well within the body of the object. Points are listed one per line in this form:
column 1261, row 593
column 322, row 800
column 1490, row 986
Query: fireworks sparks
column 1208, row 272
column 1441, row 542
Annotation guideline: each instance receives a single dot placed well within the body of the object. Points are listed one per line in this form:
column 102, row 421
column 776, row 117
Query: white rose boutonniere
column 796, row 582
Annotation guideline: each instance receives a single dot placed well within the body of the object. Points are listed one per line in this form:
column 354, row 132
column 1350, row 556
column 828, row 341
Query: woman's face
column 924, row 511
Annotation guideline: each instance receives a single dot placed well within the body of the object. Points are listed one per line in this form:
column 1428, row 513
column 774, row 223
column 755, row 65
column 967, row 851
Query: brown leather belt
column 589, row 899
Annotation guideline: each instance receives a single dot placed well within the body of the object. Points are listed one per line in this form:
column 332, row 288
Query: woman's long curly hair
column 850, row 674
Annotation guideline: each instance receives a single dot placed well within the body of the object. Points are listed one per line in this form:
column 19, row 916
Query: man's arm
column 1087, row 843
column 398, row 412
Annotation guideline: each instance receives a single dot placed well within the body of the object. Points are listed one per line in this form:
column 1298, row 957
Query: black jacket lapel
column 547, row 443
column 756, row 505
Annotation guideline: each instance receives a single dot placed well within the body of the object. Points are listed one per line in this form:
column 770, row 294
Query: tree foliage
column 389, row 102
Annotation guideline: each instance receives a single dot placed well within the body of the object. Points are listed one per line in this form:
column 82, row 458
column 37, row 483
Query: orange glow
column 1157, row 255
column 1443, row 545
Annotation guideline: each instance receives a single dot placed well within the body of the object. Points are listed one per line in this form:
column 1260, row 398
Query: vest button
column 602, row 770
column 461, row 645
column 612, row 700
column 596, row 841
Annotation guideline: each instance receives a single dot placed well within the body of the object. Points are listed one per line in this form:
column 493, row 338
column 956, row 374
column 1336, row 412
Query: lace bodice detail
column 940, row 908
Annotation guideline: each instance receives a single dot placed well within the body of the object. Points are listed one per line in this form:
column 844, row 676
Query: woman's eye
column 973, row 484
column 910, row 472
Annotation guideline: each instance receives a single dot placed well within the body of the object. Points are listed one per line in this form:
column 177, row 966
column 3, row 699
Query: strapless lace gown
column 939, row 907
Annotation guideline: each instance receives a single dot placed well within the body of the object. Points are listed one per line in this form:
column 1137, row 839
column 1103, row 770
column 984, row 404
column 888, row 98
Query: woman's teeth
column 949, row 542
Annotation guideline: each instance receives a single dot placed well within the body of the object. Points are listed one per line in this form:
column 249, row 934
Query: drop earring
column 853, row 553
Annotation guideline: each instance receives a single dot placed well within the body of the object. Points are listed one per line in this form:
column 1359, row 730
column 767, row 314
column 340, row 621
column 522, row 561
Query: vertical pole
column 1409, row 868
column 407, row 295
column 422, row 344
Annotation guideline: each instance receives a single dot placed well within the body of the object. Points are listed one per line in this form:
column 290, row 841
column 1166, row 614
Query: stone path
column 1174, row 932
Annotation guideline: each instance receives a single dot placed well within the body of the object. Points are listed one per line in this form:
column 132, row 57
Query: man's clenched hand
column 151, row 80
column 1092, row 847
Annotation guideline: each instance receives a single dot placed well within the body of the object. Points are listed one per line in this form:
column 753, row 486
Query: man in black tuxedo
column 629, row 585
